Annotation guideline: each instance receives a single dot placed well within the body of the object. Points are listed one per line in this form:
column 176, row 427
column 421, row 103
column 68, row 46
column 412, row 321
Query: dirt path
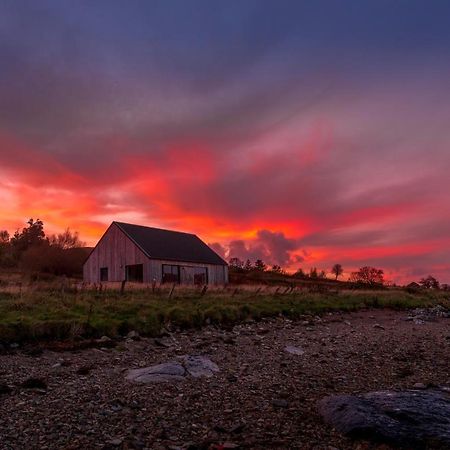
column 263, row 397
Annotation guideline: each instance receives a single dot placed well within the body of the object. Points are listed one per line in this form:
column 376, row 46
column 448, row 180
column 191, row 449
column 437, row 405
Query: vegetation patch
column 51, row 314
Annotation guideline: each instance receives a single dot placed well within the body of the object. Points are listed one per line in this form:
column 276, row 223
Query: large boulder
column 408, row 419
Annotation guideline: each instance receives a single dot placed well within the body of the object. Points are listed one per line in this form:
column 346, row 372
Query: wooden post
column 122, row 287
column 171, row 291
column 204, row 289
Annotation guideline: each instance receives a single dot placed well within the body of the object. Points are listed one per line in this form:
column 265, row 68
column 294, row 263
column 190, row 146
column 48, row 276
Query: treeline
column 31, row 251
column 366, row 276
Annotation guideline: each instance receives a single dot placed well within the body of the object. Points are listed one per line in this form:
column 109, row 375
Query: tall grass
column 68, row 314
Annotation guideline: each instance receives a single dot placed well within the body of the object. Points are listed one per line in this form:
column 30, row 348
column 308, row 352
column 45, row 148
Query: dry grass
column 62, row 310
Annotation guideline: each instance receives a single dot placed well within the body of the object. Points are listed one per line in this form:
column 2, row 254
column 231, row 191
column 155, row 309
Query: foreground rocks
column 263, row 397
column 409, row 419
column 195, row 366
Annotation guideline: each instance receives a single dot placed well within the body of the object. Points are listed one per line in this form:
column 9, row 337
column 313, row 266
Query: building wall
column 216, row 274
column 115, row 251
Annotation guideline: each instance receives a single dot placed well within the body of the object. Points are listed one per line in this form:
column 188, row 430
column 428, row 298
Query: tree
column 248, row 265
column 368, row 275
column 276, row 269
column 313, row 272
column 299, row 273
column 429, row 282
column 260, row 265
column 337, row 270
column 65, row 240
column 236, row 263
column 4, row 237
column 322, row 274
column 30, row 236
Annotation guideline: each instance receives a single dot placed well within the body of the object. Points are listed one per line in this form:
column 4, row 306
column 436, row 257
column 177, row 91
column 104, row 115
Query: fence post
column 171, row 291
column 122, row 287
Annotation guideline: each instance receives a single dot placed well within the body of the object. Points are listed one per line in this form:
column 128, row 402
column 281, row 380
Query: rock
column 14, row 345
column 133, row 335
column 419, row 386
column 161, row 343
column 410, row 418
column 280, row 403
column 34, row 383
column 294, row 350
column 199, row 366
column 380, row 327
column 195, row 366
column 167, row 372
column 5, row 389
column 115, row 442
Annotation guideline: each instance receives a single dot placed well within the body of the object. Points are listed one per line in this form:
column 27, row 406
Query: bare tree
column 337, row 270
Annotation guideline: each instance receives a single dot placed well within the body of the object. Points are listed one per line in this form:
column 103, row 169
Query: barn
column 142, row 254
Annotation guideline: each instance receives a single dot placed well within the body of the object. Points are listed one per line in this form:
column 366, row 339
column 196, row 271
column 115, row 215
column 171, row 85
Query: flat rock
column 411, row 418
column 199, row 366
column 171, row 371
column 294, row 350
column 194, row 366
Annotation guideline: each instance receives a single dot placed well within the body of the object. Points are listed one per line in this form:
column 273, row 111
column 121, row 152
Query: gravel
column 262, row 397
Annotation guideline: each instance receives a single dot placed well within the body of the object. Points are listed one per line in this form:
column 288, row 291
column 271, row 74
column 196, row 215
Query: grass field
column 52, row 313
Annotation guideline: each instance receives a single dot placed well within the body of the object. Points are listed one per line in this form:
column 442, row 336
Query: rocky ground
column 263, row 396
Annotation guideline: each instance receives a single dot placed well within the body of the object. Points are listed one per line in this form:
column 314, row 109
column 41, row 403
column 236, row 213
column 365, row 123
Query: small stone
column 115, row 442
column 294, row 350
column 133, row 335
column 34, row 383
column 419, row 386
column 380, row 327
column 280, row 403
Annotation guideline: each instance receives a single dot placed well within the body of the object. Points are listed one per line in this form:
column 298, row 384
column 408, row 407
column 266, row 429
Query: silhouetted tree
column 313, row 272
column 33, row 235
column 65, row 240
column 248, row 265
column 322, row 274
column 276, row 269
column 429, row 282
column 299, row 273
column 337, row 270
column 260, row 265
column 236, row 263
column 368, row 275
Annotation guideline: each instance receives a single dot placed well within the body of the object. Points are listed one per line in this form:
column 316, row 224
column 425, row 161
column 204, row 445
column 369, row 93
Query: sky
column 305, row 133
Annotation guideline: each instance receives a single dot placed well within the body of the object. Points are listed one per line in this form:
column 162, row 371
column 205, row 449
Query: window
column 200, row 275
column 103, row 274
column 170, row 273
column 135, row 273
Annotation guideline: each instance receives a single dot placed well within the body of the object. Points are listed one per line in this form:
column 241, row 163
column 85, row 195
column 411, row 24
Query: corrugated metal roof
column 170, row 245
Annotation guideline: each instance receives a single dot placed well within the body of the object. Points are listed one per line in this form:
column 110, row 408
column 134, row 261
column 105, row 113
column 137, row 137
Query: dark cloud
column 271, row 247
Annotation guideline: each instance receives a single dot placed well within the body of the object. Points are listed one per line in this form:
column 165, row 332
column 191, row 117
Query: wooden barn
column 142, row 254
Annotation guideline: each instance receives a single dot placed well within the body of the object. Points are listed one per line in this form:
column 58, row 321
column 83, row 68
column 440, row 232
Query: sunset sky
column 305, row 133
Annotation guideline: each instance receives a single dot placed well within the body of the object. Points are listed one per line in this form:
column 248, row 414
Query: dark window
column 103, row 274
column 200, row 275
column 170, row 274
column 135, row 273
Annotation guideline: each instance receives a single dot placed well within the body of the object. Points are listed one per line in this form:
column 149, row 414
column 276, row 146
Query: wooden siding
column 115, row 250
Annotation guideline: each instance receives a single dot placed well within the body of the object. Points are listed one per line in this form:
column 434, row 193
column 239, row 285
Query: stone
column 134, row 335
column 194, row 366
column 280, row 403
column 199, row 366
column 294, row 350
column 156, row 374
column 34, row 383
column 5, row 389
column 410, row 418
column 380, row 327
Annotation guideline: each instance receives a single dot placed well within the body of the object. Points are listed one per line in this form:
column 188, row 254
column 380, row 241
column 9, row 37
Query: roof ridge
column 153, row 228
